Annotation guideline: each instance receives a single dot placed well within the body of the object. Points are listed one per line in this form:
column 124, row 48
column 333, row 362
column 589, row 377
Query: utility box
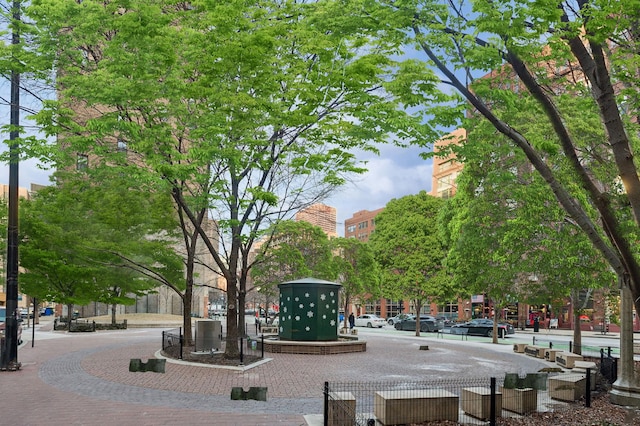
column 208, row 335
column 308, row 310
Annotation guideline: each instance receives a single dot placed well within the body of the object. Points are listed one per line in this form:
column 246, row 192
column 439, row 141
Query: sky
column 396, row 172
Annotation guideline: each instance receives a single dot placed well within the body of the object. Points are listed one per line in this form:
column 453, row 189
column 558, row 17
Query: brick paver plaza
column 84, row 379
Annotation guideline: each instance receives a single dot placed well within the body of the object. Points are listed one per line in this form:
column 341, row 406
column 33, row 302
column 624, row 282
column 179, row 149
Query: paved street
column 83, row 378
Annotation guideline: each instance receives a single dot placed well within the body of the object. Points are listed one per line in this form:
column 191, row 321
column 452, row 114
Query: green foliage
column 355, row 267
column 294, row 250
column 508, row 237
column 84, row 242
column 243, row 111
column 408, row 248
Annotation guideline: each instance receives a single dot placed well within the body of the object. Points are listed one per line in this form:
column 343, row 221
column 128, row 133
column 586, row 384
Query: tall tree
column 355, row 267
column 83, row 243
column 294, row 250
column 508, row 236
column 406, row 243
column 543, row 49
column 242, row 111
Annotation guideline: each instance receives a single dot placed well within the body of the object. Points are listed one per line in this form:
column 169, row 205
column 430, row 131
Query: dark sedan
column 427, row 324
column 482, row 327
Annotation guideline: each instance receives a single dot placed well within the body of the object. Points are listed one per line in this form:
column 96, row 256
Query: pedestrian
column 352, row 321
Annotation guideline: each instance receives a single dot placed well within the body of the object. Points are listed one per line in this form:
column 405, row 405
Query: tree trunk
column 186, row 302
column 577, row 332
column 113, row 314
column 418, row 304
column 231, row 348
column 69, row 315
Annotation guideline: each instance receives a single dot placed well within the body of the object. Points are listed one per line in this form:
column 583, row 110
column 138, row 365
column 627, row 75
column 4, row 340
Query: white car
column 370, row 320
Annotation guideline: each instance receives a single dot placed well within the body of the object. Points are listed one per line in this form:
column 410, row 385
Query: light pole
column 9, row 354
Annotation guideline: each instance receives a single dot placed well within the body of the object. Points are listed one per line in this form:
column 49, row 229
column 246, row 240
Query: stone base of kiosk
column 521, row 401
column 342, row 409
column 567, row 388
column 476, row 402
column 415, row 406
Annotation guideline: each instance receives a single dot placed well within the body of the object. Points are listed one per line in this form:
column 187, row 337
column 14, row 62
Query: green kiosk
column 309, row 310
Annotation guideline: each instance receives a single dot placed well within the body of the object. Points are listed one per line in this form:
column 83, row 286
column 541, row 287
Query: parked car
column 482, row 327
column 398, row 318
column 370, row 320
column 3, row 319
column 24, row 312
column 427, row 324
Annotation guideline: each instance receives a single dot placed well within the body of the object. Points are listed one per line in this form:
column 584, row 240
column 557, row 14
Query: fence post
column 181, row 340
column 492, row 405
column 326, row 404
column 588, row 395
column 241, row 351
column 534, row 340
column 550, row 345
column 571, row 346
column 262, row 346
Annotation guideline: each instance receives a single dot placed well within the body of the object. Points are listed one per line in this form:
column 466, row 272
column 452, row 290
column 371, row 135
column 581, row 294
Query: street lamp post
column 9, row 354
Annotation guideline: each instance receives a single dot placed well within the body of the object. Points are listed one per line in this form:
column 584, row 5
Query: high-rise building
column 320, row 215
column 445, row 166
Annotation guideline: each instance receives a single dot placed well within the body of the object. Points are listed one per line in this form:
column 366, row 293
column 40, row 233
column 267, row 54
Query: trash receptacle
column 536, row 324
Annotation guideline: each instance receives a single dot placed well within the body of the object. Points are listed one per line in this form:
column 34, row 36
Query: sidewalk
column 566, row 332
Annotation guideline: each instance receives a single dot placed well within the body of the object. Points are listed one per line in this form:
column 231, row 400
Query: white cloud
column 396, row 173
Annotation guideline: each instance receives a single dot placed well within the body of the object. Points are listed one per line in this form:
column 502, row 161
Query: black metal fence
column 467, row 401
column 608, row 365
column 173, row 338
column 251, row 347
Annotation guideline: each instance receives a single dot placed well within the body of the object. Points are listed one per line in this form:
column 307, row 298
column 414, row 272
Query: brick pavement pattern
column 83, row 379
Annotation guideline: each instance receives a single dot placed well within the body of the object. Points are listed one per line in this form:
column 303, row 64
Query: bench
column 570, row 387
column 550, row 354
column 521, row 401
column 582, row 366
column 415, row 406
column 341, row 409
column 535, row 351
column 519, row 347
column 567, row 359
column 476, row 402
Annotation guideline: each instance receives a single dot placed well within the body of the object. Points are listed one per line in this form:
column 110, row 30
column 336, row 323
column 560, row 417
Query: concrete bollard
column 256, row 393
column 154, row 365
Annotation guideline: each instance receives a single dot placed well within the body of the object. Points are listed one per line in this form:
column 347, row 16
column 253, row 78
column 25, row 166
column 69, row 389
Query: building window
column 363, row 225
column 351, row 228
column 82, row 162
